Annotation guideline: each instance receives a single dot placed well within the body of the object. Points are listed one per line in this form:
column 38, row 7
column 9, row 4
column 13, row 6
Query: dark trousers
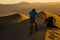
column 33, row 24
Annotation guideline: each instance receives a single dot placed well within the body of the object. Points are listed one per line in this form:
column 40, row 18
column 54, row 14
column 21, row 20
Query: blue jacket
column 32, row 15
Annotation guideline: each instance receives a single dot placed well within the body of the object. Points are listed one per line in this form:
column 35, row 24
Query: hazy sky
column 16, row 1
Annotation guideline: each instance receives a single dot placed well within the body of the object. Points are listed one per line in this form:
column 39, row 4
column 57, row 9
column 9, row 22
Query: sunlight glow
column 17, row 1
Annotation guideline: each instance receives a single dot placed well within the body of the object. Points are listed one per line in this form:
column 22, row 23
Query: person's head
column 33, row 9
column 51, row 17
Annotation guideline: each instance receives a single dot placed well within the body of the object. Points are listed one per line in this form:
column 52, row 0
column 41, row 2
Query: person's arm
column 29, row 13
column 54, row 21
column 36, row 13
column 45, row 21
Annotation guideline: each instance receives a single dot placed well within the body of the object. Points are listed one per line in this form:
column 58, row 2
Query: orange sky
column 16, row 1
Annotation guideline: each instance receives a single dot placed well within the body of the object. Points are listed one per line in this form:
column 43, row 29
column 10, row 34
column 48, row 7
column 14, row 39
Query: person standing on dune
column 33, row 14
column 50, row 21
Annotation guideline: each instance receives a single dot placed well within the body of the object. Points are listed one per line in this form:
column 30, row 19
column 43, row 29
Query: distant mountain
column 26, row 7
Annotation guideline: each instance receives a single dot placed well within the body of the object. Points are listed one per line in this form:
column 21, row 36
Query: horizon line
column 28, row 2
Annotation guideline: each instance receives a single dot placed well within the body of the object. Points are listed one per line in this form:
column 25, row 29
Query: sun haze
column 17, row 1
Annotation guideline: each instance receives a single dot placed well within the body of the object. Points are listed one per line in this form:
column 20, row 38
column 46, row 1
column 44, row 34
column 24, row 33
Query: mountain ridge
column 26, row 7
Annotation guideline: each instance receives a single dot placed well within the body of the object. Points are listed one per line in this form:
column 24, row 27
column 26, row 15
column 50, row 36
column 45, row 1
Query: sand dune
column 20, row 30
